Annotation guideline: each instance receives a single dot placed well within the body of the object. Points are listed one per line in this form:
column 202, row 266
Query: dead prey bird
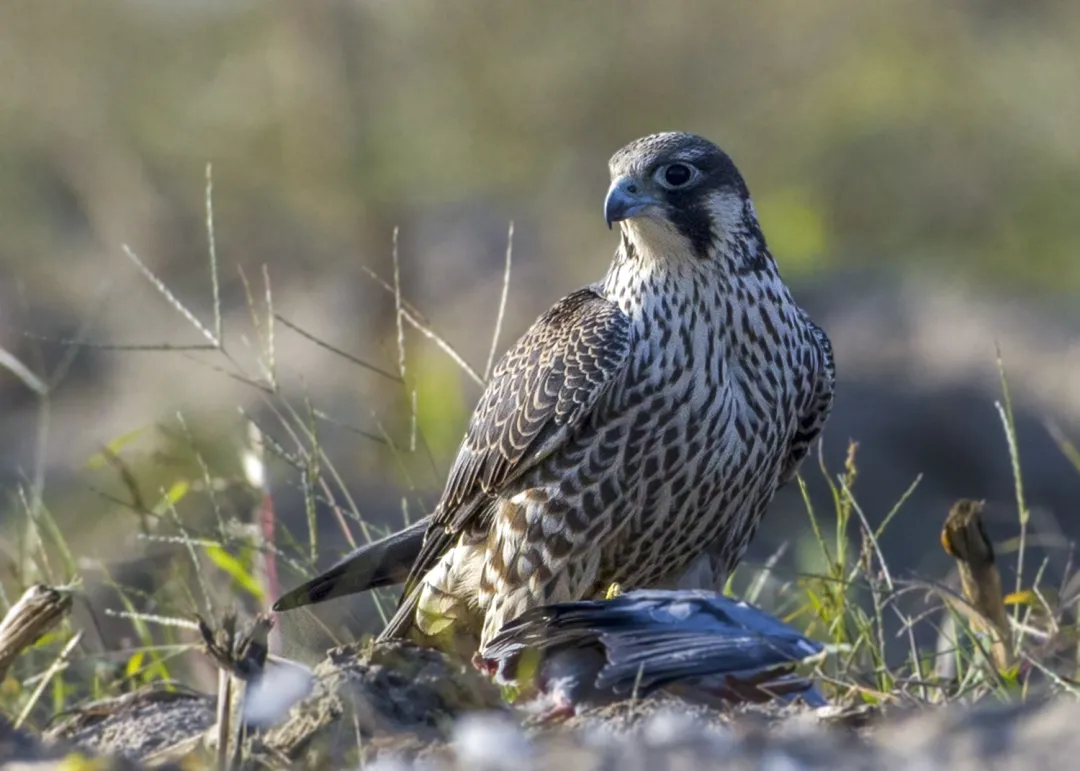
column 571, row 655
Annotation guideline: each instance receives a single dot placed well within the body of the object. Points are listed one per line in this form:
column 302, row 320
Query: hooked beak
column 626, row 199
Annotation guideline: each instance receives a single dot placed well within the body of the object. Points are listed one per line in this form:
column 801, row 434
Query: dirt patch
column 136, row 725
column 401, row 707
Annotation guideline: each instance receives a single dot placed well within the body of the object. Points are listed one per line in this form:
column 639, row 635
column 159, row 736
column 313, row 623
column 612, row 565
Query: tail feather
column 385, row 562
column 401, row 623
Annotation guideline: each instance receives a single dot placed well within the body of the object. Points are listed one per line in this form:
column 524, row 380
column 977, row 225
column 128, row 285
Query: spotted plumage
column 639, row 429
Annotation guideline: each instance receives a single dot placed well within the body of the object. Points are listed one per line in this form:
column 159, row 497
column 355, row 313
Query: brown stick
column 39, row 610
column 964, row 538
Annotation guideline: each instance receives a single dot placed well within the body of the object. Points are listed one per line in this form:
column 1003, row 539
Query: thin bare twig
column 271, row 348
column 397, row 308
column 502, row 303
column 166, row 621
column 172, row 299
column 75, row 343
column 12, row 364
column 211, row 241
column 56, row 666
column 421, row 325
column 337, row 351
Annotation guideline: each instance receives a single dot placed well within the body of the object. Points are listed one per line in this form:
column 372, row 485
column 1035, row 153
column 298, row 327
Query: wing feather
column 654, row 637
column 654, row 657
column 820, row 403
column 540, row 392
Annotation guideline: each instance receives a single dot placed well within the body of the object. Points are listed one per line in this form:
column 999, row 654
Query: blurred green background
column 916, row 167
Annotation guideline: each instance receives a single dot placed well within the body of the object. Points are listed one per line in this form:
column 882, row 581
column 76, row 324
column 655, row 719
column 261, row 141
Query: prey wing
column 654, row 637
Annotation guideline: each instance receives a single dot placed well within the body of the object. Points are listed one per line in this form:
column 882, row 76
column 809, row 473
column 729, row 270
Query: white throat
column 656, row 240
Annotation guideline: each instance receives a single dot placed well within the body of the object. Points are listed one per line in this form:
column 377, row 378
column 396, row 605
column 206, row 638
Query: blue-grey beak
column 625, row 198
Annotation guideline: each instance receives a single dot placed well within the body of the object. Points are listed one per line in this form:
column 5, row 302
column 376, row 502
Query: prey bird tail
column 385, row 562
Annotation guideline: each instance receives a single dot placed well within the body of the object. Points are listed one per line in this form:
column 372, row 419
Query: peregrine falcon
column 635, row 433
column 595, row 652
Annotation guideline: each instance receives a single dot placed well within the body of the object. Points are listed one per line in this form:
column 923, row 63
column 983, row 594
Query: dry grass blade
column 421, row 325
column 9, row 362
column 1008, row 422
column 423, row 328
column 211, row 252
column 153, row 618
column 38, row 611
column 397, row 309
column 502, row 303
column 172, row 299
column 964, row 538
column 1065, row 445
column 56, row 666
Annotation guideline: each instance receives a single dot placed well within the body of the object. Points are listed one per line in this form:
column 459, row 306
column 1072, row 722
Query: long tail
column 383, row 563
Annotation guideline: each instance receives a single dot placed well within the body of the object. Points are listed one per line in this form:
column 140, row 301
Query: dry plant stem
column 238, row 657
column 39, row 610
column 230, row 705
column 239, row 694
column 965, row 539
column 224, row 712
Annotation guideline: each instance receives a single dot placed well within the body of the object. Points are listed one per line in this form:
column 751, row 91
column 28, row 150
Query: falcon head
column 675, row 191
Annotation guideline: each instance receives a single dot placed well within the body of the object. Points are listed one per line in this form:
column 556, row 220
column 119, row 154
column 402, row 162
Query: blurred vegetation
column 843, row 593
column 900, row 136
column 942, row 133
column 897, row 135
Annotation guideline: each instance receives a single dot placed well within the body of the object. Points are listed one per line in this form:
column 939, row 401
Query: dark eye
column 676, row 175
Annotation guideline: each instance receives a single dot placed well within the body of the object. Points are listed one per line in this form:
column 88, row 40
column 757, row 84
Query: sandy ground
column 399, row 708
